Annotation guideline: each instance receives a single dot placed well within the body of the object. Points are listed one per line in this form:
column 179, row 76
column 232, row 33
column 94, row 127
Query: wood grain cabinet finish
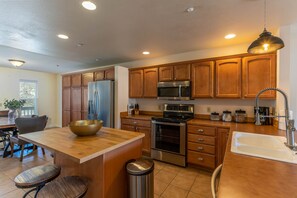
column 223, row 135
column 86, row 78
column 182, row 72
column 66, row 99
column 75, row 99
column 150, row 81
column 165, row 73
column 66, row 81
column 228, row 78
column 99, row 75
column 259, row 72
column 76, row 80
column 65, row 118
column 202, row 77
column 136, row 83
column 109, row 74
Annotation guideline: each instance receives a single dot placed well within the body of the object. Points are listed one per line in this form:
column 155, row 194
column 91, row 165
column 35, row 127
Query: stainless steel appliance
column 176, row 90
column 101, row 102
column 169, row 133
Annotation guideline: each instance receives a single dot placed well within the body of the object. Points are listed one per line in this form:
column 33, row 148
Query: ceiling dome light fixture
column 16, row 63
column 88, row 5
column 266, row 42
column 63, row 36
column 190, row 9
column 145, row 53
column 230, row 36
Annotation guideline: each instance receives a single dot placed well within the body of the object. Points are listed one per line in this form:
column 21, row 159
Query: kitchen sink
column 265, row 146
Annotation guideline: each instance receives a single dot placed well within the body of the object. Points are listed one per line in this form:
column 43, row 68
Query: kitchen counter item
column 227, row 117
column 215, row 116
column 130, row 109
column 85, row 127
column 240, row 116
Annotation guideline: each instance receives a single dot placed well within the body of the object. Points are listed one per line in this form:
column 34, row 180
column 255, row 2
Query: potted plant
column 14, row 107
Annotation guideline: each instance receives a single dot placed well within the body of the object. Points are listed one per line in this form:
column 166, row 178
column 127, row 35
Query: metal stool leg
column 37, row 189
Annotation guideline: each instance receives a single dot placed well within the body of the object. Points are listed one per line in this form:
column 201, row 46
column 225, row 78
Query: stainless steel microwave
column 176, row 90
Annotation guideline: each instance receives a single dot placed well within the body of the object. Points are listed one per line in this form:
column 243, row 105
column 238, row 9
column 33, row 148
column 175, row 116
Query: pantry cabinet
column 259, row 72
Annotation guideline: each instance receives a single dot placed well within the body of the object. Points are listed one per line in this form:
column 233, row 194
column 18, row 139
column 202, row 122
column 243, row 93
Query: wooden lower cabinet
column 206, row 145
column 141, row 126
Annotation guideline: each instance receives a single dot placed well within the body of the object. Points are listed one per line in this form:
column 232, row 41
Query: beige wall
column 47, row 90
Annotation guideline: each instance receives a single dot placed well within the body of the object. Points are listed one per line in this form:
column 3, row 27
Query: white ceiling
column 119, row 30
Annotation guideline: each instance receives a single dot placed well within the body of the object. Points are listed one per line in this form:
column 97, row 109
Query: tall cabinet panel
column 66, row 89
column 136, row 83
column 150, row 81
column 259, row 72
column 228, row 78
column 203, row 79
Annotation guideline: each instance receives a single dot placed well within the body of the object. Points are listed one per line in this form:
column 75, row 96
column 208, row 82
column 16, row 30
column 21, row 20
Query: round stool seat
column 65, row 187
column 37, row 176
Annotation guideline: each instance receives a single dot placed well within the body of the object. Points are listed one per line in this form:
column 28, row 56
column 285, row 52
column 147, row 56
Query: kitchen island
column 100, row 158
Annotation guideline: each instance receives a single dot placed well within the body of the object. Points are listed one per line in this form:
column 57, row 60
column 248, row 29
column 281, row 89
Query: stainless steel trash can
column 141, row 178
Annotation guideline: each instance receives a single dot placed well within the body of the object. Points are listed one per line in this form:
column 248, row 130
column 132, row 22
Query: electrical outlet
column 208, row 109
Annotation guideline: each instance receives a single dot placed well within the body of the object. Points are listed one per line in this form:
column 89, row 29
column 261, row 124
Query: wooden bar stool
column 37, row 177
column 64, row 187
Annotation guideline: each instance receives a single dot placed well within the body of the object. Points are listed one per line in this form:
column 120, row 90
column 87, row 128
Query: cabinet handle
column 200, row 158
column 200, row 148
column 134, row 122
column 200, row 139
column 136, row 129
column 200, row 130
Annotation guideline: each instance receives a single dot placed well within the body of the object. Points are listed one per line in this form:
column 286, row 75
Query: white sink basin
column 265, row 146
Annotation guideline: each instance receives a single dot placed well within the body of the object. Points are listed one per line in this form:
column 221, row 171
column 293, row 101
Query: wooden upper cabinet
column 86, row 78
column 109, row 74
column 76, row 80
column 259, row 72
column 228, row 78
column 182, row 72
column 136, row 83
column 66, row 99
column 66, row 81
column 99, row 75
column 202, row 79
column 165, row 73
column 150, row 81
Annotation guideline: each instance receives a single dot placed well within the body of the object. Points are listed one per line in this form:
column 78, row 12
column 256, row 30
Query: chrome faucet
column 290, row 129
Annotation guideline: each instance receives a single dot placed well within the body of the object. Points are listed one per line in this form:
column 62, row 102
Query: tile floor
column 170, row 181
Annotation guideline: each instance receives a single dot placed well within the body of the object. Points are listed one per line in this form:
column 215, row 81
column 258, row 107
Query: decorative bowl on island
column 85, row 127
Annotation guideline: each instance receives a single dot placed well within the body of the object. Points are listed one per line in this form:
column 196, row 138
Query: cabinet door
column 86, row 78
column 259, row 72
column 84, row 102
column 150, row 81
column 128, row 127
column 66, row 99
column 228, row 78
column 76, row 80
column 75, row 99
column 75, row 115
column 203, row 79
column 165, row 73
column 222, row 144
column 182, row 72
column 109, row 74
column 146, row 142
column 66, row 81
column 99, row 75
column 65, row 118
column 84, row 115
column 136, row 83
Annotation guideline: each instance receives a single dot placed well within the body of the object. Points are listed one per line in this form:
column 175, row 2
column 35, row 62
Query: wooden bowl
column 85, row 127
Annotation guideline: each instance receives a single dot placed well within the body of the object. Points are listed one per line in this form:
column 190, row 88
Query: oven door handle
column 169, row 123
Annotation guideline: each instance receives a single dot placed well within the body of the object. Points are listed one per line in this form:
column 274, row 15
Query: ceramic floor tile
column 172, row 168
column 165, row 176
column 188, row 172
column 202, row 186
column 193, row 195
column 183, row 182
column 156, row 196
column 174, row 192
column 159, row 187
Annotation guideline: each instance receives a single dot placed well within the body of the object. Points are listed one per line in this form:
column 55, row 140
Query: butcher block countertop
column 82, row 149
column 245, row 176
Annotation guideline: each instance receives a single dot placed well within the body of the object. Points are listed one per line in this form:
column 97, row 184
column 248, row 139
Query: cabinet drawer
column 202, row 139
column 202, row 130
column 201, row 159
column 128, row 127
column 201, row 148
column 135, row 122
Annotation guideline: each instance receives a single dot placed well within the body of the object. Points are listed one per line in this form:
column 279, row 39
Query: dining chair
column 27, row 125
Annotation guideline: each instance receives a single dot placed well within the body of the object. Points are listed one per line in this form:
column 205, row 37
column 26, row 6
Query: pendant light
column 266, row 42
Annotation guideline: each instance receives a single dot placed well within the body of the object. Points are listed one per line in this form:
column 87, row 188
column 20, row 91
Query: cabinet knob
column 200, row 130
column 200, row 139
column 134, row 122
column 200, row 158
column 200, row 148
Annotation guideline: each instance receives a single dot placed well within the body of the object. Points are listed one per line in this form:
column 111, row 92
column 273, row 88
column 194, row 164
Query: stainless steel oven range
column 169, row 133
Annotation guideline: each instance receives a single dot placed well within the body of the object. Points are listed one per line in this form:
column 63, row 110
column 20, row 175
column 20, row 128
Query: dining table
column 6, row 125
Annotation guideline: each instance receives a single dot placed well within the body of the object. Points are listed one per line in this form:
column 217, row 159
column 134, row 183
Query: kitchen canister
column 227, row 116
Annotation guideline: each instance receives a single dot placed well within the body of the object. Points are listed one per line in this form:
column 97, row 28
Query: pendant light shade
column 266, row 43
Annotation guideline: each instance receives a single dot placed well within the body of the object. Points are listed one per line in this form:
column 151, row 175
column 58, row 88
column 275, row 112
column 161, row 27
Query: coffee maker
column 265, row 111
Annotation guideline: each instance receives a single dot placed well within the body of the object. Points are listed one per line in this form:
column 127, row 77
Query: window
column 28, row 92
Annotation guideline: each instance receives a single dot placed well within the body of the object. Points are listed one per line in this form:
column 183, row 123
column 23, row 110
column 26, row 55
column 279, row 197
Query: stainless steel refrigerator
column 101, row 102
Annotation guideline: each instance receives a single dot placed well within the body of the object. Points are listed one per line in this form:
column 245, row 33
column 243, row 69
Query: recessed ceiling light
column 88, row 5
column 146, row 53
column 230, row 36
column 190, row 9
column 63, row 36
